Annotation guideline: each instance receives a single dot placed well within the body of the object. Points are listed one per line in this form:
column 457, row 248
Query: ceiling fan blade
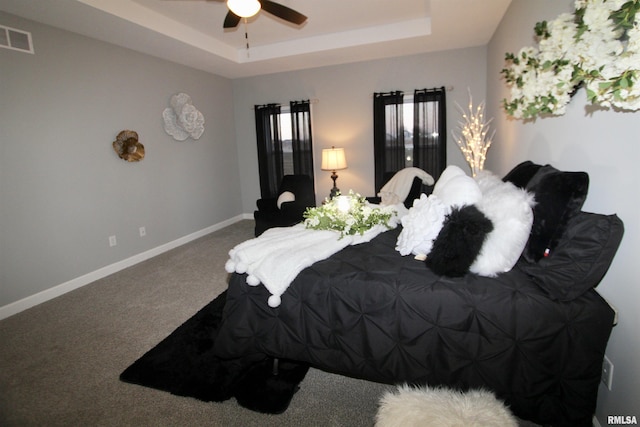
column 283, row 12
column 231, row 20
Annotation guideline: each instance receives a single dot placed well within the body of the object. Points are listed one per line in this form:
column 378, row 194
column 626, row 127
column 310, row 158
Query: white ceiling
column 337, row 31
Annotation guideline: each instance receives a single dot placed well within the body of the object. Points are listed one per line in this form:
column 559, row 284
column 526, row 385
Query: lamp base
column 335, row 190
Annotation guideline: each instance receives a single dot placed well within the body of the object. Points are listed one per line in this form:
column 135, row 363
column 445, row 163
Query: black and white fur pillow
column 459, row 241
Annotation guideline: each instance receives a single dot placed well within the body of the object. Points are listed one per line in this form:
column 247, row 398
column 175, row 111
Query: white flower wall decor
column 597, row 46
column 183, row 120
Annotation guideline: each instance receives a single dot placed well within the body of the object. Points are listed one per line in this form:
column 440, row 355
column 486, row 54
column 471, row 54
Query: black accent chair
column 289, row 213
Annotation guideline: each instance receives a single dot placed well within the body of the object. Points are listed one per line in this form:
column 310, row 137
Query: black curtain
column 429, row 131
column 388, row 135
column 302, row 140
column 270, row 164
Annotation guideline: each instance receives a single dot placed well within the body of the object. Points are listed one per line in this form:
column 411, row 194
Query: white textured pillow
column 286, row 196
column 510, row 210
column 421, row 225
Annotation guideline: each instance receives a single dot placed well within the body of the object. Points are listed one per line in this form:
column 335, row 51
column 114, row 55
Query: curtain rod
column 411, row 91
column 311, row 101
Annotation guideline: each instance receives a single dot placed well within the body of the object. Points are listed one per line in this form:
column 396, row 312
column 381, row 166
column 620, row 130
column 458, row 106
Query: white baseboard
column 78, row 282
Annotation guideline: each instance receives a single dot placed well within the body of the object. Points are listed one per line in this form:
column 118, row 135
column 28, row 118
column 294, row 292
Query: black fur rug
column 184, row 364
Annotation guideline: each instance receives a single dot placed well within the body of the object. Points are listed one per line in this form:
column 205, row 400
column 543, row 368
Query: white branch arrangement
column 473, row 137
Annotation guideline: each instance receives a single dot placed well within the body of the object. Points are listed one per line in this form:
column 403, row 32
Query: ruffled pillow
column 421, row 225
column 424, row 220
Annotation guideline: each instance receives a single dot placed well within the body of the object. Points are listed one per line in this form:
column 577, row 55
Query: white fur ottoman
column 441, row 407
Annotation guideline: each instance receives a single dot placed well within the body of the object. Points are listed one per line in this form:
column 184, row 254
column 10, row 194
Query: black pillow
column 559, row 196
column 522, row 173
column 459, row 241
column 414, row 192
column 581, row 258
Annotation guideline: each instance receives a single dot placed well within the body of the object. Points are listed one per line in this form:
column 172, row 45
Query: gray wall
column 604, row 144
column 63, row 190
column 343, row 115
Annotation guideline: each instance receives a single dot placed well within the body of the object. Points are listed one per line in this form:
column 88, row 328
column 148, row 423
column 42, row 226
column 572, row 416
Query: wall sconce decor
column 333, row 159
column 127, row 146
column 183, row 120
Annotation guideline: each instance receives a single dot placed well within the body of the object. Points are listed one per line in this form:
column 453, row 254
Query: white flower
column 596, row 46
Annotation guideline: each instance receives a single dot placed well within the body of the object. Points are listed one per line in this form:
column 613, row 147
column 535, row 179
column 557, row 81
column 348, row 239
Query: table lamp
column 333, row 159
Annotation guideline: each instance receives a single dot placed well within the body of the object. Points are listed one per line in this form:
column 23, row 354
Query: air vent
column 13, row 39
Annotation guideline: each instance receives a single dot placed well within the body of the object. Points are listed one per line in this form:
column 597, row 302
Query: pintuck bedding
column 535, row 335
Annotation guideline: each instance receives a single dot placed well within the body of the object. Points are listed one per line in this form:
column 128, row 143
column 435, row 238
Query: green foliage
column 349, row 215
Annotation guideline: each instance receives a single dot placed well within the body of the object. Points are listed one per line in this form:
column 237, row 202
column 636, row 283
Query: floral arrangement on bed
column 349, row 214
column 597, row 46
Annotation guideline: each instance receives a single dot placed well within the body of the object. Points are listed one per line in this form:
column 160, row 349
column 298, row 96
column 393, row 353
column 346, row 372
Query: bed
column 535, row 335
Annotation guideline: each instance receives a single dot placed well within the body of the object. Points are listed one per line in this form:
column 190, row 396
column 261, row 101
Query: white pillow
column 421, row 225
column 286, row 196
column 510, row 210
column 456, row 188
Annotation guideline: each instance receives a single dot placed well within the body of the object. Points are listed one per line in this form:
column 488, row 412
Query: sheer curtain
column 270, row 144
column 270, row 161
column 302, row 141
column 388, row 135
column 429, row 131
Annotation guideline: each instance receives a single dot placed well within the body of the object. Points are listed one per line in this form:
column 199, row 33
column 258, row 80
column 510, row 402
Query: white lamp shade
column 333, row 159
column 244, row 8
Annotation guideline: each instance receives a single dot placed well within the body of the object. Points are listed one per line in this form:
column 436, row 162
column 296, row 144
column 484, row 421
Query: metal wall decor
column 127, row 146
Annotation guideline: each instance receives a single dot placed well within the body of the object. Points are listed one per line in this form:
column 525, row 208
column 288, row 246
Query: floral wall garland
column 597, row 46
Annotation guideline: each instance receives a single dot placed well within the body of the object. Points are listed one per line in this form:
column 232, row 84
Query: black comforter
column 370, row 313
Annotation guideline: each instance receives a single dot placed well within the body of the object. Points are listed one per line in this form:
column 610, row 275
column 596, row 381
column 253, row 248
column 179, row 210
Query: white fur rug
column 441, row 407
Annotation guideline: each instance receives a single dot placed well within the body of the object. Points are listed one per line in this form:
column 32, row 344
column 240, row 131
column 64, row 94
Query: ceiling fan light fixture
column 244, row 8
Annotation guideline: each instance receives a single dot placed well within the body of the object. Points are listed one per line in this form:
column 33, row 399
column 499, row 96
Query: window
column 287, row 141
column 407, row 118
column 284, row 143
column 409, row 131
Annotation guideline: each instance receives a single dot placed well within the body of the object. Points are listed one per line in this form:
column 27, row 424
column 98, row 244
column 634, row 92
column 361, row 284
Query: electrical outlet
column 607, row 372
column 112, row 241
column 143, row 231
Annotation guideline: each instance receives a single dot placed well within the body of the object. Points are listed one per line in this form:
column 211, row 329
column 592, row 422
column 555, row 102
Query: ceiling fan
column 243, row 9
column 239, row 9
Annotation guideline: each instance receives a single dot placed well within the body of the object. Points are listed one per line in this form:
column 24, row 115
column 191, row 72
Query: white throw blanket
column 277, row 256
column 397, row 189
